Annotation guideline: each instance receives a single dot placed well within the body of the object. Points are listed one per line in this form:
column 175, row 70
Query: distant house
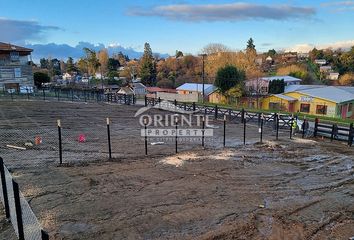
column 325, row 68
column 320, row 61
column 261, row 85
column 67, row 76
column 126, row 91
column 15, row 70
column 188, row 88
column 333, row 76
column 152, row 91
column 139, row 89
column 269, row 59
column 323, row 100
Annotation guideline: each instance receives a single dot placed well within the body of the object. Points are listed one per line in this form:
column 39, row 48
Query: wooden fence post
column 316, row 128
column 351, row 135
column 216, row 112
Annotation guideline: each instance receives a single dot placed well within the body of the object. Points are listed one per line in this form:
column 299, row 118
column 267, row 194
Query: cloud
column 339, row 6
column 340, row 3
column 305, row 47
column 18, row 31
column 224, row 12
column 63, row 51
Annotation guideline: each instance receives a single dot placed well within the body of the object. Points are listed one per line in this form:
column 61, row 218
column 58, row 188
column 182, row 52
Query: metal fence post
column 261, row 130
column 203, row 127
column 216, row 112
column 176, row 122
column 193, row 106
column 277, row 125
column 316, row 128
column 60, row 143
column 259, row 119
column 145, row 128
column 12, row 97
column 21, row 235
column 58, row 95
column 4, row 188
column 224, row 140
column 109, row 138
column 242, row 115
column 145, row 101
column 244, row 132
column 43, row 94
column 27, row 93
column 44, row 235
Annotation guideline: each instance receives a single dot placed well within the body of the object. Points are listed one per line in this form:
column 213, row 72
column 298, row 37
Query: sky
column 63, row 27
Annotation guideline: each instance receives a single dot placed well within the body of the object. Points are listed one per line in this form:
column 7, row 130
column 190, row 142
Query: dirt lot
column 286, row 189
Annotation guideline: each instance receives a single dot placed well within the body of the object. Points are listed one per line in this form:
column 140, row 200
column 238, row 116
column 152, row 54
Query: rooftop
column 208, row 88
column 288, row 98
column 10, row 47
column 331, row 93
column 285, row 78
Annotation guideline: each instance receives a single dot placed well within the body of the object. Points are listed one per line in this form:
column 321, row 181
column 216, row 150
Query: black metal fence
column 73, row 95
column 17, row 209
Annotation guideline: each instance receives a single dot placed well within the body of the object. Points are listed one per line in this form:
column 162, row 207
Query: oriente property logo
column 173, row 121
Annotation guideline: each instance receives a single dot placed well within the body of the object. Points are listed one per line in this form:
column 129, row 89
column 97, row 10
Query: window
column 321, row 109
column 274, row 106
column 17, row 72
column 305, row 108
column 350, row 107
column 14, row 56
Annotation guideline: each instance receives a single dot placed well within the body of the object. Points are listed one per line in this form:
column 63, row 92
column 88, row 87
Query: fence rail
column 17, row 209
column 333, row 131
column 232, row 114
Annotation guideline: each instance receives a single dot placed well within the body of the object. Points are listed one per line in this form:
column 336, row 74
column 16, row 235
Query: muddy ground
column 285, row 189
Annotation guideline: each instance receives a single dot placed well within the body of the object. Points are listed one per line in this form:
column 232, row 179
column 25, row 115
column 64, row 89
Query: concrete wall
column 193, row 97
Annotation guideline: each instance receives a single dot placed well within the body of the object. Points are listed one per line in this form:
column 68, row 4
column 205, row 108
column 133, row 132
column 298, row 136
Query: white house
column 320, row 61
column 139, row 89
column 333, row 76
column 261, row 85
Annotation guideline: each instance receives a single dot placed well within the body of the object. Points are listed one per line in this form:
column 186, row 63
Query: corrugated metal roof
column 331, row 93
column 286, row 78
column 288, row 98
column 208, row 88
column 292, row 88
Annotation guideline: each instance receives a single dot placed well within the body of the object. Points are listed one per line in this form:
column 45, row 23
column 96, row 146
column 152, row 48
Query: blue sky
column 184, row 25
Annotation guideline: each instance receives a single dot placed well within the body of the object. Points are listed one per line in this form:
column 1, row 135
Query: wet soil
column 286, row 189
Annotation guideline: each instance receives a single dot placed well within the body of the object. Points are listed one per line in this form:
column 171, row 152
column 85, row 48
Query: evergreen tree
column 70, row 66
column 250, row 45
column 148, row 67
column 228, row 77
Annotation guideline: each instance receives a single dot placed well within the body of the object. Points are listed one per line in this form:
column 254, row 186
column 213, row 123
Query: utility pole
column 203, row 74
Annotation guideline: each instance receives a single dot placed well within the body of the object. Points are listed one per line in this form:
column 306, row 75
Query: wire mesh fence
column 82, row 140
column 70, row 94
column 18, row 210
